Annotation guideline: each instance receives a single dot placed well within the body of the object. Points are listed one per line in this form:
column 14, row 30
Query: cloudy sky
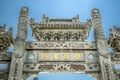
column 109, row 9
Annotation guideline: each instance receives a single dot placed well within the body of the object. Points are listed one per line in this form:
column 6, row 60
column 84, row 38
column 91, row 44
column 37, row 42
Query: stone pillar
column 23, row 24
column 104, row 55
column 19, row 52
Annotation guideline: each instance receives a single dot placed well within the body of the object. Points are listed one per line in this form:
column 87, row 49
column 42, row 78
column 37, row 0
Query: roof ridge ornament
column 114, row 39
column 69, row 25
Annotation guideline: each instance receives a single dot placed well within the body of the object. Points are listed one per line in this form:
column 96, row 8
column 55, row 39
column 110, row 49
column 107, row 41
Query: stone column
column 19, row 52
column 104, row 55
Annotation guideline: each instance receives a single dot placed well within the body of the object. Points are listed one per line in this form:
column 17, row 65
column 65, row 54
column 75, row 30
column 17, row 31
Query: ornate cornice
column 55, row 28
column 6, row 38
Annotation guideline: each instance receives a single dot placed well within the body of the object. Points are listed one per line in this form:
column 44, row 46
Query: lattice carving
column 41, row 35
column 61, row 67
column 54, row 67
column 61, row 45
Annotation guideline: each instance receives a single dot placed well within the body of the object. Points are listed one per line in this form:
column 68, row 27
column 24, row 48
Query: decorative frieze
column 60, row 67
column 51, row 35
column 61, row 45
column 56, row 29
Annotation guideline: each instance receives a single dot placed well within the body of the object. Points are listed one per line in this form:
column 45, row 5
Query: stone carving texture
column 59, row 35
column 61, row 45
column 69, row 67
column 60, row 24
column 6, row 38
column 114, row 40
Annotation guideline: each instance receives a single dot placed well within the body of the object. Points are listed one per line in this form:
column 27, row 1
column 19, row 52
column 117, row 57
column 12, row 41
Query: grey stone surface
column 60, row 48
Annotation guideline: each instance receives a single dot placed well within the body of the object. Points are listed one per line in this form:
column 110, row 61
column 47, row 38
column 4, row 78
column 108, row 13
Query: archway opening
column 62, row 77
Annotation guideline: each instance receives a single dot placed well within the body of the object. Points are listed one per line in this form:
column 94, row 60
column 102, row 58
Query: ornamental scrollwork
column 6, row 38
column 114, row 39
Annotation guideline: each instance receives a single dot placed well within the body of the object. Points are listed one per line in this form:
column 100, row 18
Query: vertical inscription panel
column 61, row 56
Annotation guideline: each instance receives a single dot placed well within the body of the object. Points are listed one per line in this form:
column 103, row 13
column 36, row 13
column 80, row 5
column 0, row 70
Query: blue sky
column 109, row 9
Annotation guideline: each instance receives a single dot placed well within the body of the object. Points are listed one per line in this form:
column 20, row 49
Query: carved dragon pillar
column 104, row 56
column 19, row 52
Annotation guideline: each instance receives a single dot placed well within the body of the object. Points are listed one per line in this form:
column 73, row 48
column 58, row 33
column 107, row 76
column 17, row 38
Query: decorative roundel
column 91, row 57
column 31, row 57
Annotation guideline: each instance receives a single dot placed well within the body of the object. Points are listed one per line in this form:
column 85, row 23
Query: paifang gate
column 60, row 48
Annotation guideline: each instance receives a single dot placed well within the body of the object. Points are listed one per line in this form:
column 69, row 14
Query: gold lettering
column 67, row 56
column 77, row 56
column 44, row 56
column 56, row 56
